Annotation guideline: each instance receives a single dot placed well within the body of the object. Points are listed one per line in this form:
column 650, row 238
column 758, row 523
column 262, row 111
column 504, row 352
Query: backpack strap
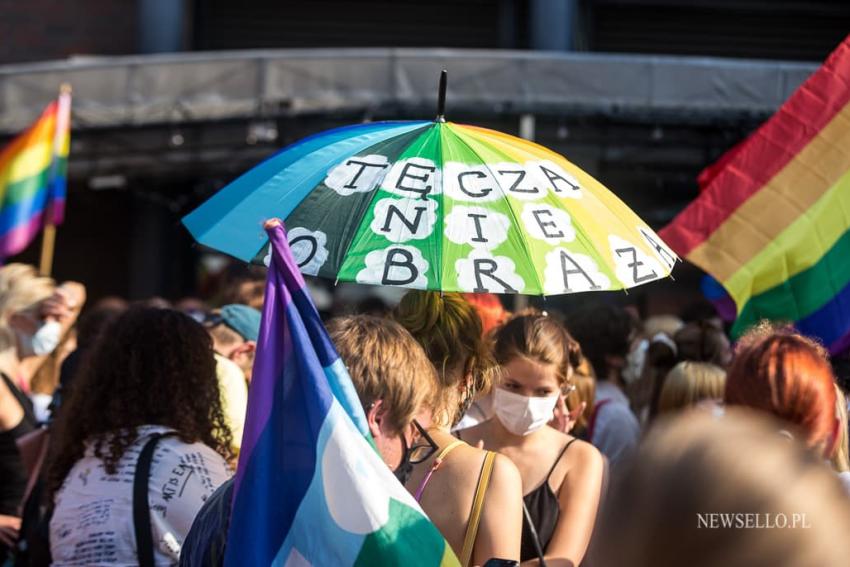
column 477, row 507
column 141, row 506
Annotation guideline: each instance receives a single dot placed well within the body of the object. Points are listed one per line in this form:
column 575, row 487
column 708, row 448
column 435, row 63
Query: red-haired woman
column 781, row 372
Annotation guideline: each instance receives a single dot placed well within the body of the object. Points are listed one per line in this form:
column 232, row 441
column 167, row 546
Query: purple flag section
column 288, row 402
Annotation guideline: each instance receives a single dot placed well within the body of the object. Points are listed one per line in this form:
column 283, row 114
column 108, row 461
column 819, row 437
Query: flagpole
column 48, row 244
column 48, row 238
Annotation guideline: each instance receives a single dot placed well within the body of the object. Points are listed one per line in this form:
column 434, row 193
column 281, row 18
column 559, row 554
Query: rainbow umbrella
column 436, row 205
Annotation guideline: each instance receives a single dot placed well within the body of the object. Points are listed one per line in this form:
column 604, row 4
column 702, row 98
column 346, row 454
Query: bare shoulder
column 583, row 456
column 506, row 474
column 465, row 465
column 505, row 492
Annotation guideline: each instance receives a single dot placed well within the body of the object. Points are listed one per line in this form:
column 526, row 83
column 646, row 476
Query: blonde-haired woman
column 34, row 315
column 473, row 496
column 690, row 383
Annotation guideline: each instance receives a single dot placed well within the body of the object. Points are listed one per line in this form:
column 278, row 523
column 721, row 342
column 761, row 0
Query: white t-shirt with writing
column 92, row 522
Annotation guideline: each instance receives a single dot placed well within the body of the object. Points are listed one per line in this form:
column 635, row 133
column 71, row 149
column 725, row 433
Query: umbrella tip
column 441, row 98
column 272, row 223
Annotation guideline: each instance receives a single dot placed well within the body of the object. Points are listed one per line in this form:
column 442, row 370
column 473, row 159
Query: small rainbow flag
column 32, row 177
column 772, row 221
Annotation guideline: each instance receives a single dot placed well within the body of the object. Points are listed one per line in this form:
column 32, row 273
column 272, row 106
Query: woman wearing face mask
column 561, row 475
column 33, row 316
column 472, row 496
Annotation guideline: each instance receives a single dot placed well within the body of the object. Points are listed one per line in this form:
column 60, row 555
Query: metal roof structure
column 137, row 91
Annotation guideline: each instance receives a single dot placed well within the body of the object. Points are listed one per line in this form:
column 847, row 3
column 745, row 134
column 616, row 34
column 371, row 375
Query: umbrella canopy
column 436, row 205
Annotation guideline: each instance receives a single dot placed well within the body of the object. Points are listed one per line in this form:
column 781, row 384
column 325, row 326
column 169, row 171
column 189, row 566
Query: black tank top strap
column 13, row 474
column 558, row 460
column 22, row 399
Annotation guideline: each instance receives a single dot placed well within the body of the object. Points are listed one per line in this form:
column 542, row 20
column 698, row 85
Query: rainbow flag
column 311, row 489
column 33, row 170
column 772, row 221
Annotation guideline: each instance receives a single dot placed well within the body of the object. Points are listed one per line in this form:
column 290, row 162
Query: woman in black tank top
column 562, row 476
column 13, row 477
column 36, row 314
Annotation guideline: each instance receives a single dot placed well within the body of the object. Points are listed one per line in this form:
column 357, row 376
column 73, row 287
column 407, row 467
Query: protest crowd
column 583, row 438
column 447, row 413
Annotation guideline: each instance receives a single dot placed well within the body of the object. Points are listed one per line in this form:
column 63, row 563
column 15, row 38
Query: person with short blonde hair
column 385, row 363
column 700, row 488
column 395, row 383
column 689, row 383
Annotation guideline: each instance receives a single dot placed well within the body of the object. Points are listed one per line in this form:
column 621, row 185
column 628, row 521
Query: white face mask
column 635, row 361
column 522, row 415
column 43, row 341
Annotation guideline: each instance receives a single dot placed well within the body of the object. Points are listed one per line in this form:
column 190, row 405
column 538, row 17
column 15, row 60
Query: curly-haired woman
column 152, row 375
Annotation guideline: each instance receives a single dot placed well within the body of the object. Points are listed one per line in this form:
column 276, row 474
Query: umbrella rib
column 441, row 212
column 510, row 209
column 371, row 204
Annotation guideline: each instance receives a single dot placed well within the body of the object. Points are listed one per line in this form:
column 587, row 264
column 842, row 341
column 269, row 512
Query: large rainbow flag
column 311, row 489
column 32, row 177
column 772, row 222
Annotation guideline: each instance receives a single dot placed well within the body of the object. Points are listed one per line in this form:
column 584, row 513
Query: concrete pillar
column 161, row 25
column 553, row 24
